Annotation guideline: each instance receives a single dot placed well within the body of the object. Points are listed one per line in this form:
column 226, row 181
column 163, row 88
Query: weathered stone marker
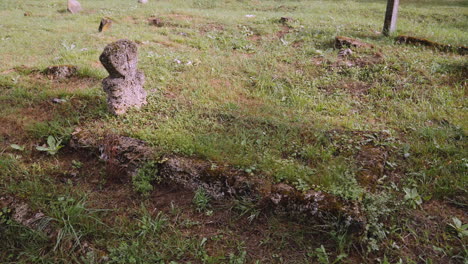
column 391, row 17
column 124, row 85
column 74, row 6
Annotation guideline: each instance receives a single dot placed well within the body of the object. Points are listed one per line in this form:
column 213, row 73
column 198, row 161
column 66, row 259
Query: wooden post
column 391, row 17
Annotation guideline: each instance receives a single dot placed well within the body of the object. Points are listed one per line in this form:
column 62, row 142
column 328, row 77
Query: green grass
column 273, row 102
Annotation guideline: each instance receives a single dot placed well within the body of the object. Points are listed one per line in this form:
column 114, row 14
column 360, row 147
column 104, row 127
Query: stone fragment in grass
column 142, row 1
column 58, row 101
column 106, row 24
column 60, row 71
column 124, row 85
column 342, row 42
column 27, row 13
column 286, row 20
column 74, row 6
column 155, row 21
column 345, row 53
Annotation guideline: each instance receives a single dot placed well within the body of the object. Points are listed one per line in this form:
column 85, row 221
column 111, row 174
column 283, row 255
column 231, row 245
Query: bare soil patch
column 209, row 27
column 284, row 30
column 371, row 161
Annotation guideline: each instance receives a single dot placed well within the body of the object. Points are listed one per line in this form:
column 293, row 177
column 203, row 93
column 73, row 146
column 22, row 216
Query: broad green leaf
column 17, row 147
column 51, row 141
column 457, row 222
column 42, row 148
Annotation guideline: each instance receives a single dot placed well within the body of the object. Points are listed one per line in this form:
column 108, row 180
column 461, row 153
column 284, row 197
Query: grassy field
column 384, row 128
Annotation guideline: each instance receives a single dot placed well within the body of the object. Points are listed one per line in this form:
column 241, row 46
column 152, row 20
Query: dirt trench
column 124, row 156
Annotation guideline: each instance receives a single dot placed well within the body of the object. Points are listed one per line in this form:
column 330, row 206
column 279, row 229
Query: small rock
column 60, row 71
column 58, row 101
column 142, row 1
column 106, row 24
column 27, row 13
column 124, row 86
column 74, row 6
column 341, row 42
column 345, row 53
column 156, row 21
column 350, row 64
column 286, row 20
column 249, row 16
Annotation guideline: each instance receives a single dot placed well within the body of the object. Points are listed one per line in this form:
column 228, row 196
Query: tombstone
column 106, row 24
column 74, row 6
column 124, row 85
column 391, row 17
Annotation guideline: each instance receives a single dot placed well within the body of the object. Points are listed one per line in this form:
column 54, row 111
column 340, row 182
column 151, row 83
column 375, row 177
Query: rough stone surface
column 106, row 24
column 124, row 86
column 219, row 182
column 60, row 71
column 74, row 6
column 342, row 42
column 83, row 139
column 128, row 152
